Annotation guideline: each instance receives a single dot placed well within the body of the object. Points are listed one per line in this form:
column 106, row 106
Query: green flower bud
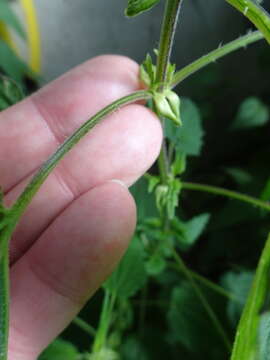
column 168, row 105
column 175, row 102
column 163, row 106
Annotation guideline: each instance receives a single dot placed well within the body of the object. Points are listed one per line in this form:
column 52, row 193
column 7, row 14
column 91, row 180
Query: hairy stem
column 4, row 300
column 165, row 48
column 26, row 197
column 29, row 192
column 163, row 164
column 255, row 13
column 166, row 40
column 216, row 54
column 227, row 193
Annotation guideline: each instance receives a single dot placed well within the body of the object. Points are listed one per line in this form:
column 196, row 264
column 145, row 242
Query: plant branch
column 84, row 326
column 4, row 300
column 27, row 195
column 255, row 13
column 212, row 316
column 29, row 192
column 169, row 24
column 209, row 284
column 247, row 345
column 105, row 322
column 166, row 40
column 163, row 164
column 227, row 193
column 216, row 54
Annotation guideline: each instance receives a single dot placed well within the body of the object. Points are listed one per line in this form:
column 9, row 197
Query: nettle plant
column 161, row 239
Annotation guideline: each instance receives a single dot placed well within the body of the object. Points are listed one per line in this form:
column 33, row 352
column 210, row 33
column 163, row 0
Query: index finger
column 31, row 130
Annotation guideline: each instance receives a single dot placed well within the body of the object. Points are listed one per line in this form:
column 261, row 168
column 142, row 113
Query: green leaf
column 251, row 113
column 148, row 72
column 264, row 336
column 133, row 349
column 153, row 181
column 188, row 322
column 241, row 176
column 9, row 18
column 146, row 204
column 247, row 336
column 173, row 197
column 10, row 92
column 130, row 276
column 11, row 64
column 60, row 350
column 136, row 7
column 104, row 354
column 238, row 284
column 187, row 139
column 189, row 232
column 195, row 227
column 179, row 164
column 156, row 264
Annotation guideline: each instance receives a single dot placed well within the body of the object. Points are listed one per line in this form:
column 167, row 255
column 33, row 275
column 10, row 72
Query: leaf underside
column 136, row 7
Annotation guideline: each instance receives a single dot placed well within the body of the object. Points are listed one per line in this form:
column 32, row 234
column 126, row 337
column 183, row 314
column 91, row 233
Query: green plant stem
column 166, row 41
column 246, row 345
column 255, row 13
column 227, row 193
column 170, row 18
column 163, row 164
column 4, row 300
column 105, row 321
column 29, row 192
column 184, row 269
column 84, row 326
column 209, row 284
column 216, row 54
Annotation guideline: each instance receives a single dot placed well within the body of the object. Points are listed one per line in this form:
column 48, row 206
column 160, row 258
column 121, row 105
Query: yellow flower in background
column 31, row 33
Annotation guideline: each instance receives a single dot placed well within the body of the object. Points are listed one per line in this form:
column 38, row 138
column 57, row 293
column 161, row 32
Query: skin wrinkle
column 44, row 116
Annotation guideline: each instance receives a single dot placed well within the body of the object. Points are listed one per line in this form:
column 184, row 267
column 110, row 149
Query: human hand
column 78, row 225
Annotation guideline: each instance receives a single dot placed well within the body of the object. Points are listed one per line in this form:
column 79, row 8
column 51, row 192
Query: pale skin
column 79, row 224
